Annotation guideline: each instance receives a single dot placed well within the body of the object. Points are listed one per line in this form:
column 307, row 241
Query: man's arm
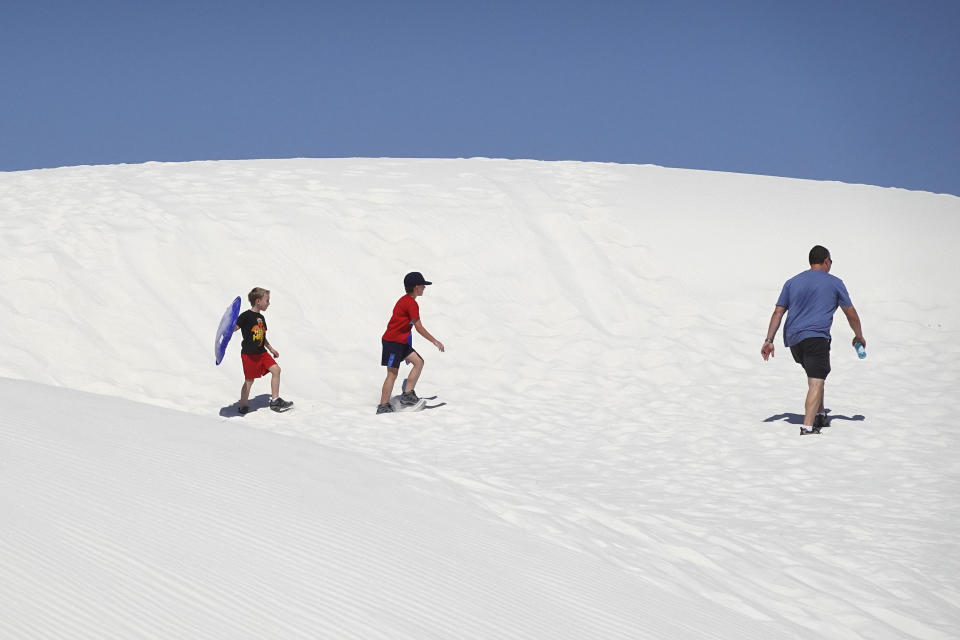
column 854, row 319
column 767, row 350
column 426, row 334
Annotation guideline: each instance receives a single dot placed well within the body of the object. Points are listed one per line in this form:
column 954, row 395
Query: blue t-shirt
column 811, row 297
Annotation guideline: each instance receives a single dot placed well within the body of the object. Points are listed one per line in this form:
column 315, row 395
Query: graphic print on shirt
column 258, row 332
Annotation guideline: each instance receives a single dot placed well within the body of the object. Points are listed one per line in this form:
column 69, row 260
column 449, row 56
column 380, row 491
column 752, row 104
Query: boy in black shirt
column 253, row 352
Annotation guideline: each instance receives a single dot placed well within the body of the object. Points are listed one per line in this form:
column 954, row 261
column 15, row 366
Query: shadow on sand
column 797, row 418
column 261, row 401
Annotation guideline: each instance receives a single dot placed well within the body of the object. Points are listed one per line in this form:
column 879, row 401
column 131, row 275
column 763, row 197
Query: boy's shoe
column 385, row 408
column 278, row 404
column 409, row 398
column 244, row 410
column 806, row 432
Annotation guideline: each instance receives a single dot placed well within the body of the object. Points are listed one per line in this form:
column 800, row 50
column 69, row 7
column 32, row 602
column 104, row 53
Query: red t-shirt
column 405, row 313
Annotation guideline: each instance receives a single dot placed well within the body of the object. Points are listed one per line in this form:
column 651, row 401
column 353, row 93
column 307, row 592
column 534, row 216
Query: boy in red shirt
column 398, row 343
column 253, row 352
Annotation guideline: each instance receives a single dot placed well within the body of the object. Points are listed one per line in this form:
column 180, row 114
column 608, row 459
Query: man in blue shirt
column 812, row 298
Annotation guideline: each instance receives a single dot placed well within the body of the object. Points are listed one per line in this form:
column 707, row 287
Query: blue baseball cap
column 413, row 279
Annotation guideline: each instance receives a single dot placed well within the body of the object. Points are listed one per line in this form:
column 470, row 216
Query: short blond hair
column 256, row 293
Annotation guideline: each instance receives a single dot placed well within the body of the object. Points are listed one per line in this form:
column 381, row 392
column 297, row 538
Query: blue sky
column 856, row 91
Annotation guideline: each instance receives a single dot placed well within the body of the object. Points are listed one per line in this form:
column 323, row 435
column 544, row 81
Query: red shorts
column 256, row 365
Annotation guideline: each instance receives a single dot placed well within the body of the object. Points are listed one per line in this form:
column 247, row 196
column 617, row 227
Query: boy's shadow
column 797, row 418
column 261, row 401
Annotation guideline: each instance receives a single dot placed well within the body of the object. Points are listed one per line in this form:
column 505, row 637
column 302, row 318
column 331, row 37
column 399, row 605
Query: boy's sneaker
column 279, row 404
column 245, row 409
column 409, row 398
column 385, row 408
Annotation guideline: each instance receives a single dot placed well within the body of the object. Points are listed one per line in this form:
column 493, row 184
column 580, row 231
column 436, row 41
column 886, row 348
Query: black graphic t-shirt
column 253, row 328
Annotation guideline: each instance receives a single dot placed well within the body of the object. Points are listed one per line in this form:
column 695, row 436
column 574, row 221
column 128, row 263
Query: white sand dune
column 614, row 460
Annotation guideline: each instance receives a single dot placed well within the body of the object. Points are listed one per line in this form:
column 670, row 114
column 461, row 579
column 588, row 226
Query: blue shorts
column 813, row 354
column 394, row 353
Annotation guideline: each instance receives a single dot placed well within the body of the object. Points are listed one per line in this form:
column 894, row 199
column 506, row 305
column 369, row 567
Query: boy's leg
column 274, row 381
column 417, row 362
column 245, row 392
column 391, row 379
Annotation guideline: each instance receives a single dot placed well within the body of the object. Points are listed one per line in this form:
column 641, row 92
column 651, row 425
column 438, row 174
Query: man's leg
column 391, row 379
column 417, row 362
column 814, row 401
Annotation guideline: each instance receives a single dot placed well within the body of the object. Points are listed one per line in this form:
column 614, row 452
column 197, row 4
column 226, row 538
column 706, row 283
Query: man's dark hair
column 818, row 255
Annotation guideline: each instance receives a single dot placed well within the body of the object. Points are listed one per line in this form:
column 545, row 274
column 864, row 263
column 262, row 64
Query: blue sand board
column 225, row 330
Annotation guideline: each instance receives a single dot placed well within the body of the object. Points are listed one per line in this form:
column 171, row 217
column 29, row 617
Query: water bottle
column 861, row 350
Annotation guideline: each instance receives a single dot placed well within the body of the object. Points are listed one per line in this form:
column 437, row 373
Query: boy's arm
column 273, row 352
column 426, row 334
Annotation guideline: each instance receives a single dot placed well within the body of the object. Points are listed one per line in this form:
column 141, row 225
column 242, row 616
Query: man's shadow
column 797, row 418
column 261, row 401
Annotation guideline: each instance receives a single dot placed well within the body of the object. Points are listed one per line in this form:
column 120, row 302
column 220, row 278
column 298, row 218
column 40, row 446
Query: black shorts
column 394, row 353
column 813, row 354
